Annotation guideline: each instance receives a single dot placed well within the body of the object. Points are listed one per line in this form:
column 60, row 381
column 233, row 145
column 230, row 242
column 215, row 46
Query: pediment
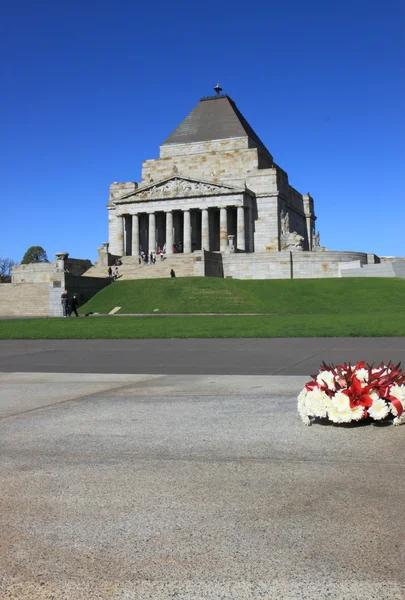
column 177, row 186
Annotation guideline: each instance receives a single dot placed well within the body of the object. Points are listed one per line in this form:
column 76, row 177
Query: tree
column 6, row 264
column 34, row 254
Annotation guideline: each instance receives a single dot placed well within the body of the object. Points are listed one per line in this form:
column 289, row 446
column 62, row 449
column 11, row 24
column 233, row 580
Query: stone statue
column 295, row 242
column 289, row 240
column 316, row 241
column 285, row 223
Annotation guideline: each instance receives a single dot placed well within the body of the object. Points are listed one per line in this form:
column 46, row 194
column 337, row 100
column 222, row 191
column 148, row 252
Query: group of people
column 114, row 274
column 149, row 259
column 69, row 304
column 145, row 259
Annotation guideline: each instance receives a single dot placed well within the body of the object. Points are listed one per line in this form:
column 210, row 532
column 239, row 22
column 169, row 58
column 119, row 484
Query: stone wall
column 274, row 265
column 42, row 272
column 314, row 265
column 36, row 288
column 213, row 264
column 85, row 287
column 33, row 273
column 24, row 299
column 288, row 265
column 213, row 166
column 266, row 224
column 77, row 266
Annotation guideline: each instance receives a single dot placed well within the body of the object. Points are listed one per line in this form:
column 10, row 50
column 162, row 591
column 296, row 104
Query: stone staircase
column 24, row 299
column 184, row 265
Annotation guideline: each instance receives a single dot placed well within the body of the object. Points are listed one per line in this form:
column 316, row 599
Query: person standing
column 172, row 273
column 116, row 275
column 110, row 272
column 74, row 304
column 64, row 300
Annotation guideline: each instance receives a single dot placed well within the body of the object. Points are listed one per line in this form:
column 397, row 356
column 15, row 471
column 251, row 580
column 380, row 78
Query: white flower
column 334, row 414
column 302, row 395
column 379, row 409
column 362, row 375
column 340, row 411
column 399, row 392
column 340, row 401
column 317, row 403
column 351, row 414
column 326, row 378
column 394, row 410
column 399, row 420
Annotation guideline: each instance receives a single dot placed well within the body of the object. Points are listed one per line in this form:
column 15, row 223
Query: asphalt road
column 278, row 356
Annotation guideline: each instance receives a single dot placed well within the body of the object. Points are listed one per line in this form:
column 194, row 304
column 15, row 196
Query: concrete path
column 135, row 487
column 286, row 356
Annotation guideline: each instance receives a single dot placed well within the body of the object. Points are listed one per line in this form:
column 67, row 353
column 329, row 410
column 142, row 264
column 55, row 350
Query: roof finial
column 218, row 89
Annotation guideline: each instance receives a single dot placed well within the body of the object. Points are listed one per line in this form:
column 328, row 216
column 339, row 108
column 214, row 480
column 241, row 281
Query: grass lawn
column 315, row 325
column 297, row 308
column 276, row 296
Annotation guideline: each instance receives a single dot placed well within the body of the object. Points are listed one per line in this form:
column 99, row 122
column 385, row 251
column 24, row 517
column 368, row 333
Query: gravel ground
column 193, row 487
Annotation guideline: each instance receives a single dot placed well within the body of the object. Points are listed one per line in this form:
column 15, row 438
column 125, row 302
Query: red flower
column 358, row 394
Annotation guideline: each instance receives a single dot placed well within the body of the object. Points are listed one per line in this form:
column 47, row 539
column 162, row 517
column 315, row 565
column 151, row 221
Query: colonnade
column 134, row 227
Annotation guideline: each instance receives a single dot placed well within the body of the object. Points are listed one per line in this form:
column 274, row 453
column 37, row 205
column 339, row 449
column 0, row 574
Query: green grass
column 321, row 325
column 275, row 296
column 298, row 308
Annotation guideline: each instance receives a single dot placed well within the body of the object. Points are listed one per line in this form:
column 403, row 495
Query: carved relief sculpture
column 177, row 187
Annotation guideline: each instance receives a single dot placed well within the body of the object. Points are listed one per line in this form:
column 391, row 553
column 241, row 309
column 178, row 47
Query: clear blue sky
column 90, row 89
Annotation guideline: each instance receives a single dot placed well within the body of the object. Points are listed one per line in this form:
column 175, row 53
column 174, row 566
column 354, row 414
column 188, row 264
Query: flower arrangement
column 346, row 393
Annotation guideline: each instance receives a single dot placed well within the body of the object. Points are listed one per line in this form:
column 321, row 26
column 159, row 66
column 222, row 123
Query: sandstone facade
column 214, row 187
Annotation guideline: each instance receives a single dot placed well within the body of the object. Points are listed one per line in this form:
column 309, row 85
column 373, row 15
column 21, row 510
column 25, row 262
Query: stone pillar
column 205, row 233
column 135, row 235
column 121, row 236
column 152, row 233
column 240, row 242
column 186, row 232
column 223, row 230
column 169, row 232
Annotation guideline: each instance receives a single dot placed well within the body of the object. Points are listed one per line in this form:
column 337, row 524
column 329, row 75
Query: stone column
column 121, row 236
column 169, row 232
column 240, row 241
column 152, row 233
column 186, row 232
column 205, row 233
column 135, row 235
column 223, row 230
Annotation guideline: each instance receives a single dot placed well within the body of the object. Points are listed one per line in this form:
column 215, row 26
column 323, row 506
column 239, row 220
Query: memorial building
column 214, row 187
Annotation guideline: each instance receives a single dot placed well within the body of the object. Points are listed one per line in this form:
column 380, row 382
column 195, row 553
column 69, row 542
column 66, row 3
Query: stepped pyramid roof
column 213, row 118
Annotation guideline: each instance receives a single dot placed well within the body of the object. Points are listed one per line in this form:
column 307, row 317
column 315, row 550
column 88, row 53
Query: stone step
column 182, row 264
